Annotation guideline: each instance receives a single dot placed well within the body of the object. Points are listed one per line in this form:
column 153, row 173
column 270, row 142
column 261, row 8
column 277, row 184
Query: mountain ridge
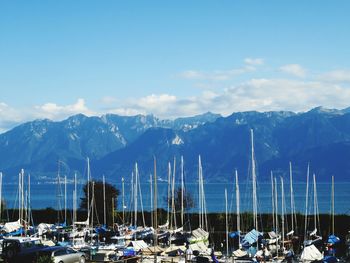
column 114, row 143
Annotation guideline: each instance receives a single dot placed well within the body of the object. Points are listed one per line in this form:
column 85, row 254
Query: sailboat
column 332, row 240
column 312, row 242
column 201, row 234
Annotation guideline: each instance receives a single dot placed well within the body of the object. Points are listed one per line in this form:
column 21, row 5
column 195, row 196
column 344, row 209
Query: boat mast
column 92, row 203
column 282, row 211
column 276, row 206
column 65, row 199
column 238, row 208
column 75, row 198
column 182, row 191
column 255, row 205
column 123, row 200
column 292, row 206
column 316, row 211
column 226, row 220
column 306, row 199
column 155, row 220
column 151, row 196
column 104, row 200
column 333, row 205
column 168, row 199
column 173, row 194
column 0, row 195
column 135, row 196
column 88, row 186
column 199, row 192
column 273, row 203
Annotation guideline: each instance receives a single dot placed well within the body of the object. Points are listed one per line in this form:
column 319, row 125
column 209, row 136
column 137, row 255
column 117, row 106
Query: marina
column 178, row 231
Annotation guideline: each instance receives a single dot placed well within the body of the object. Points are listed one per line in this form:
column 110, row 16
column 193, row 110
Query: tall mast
column 19, row 196
column 151, row 196
column 282, row 210
column 182, row 191
column 255, row 205
column 112, row 212
column 292, row 207
column 104, row 200
column 75, row 198
column 333, row 205
column 92, row 203
column 199, row 191
column 123, row 200
column 226, row 219
column 155, row 221
column 237, row 207
column 88, row 186
column 306, row 199
column 276, row 206
column 173, row 194
column 0, row 194
column 315, row 202
column 273, row 203
column 65, row 199
column 168, row 199
column 22, row 193
column 29, row 201
column 135, row 193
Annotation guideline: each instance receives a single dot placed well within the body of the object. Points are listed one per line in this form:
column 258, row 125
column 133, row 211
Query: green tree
column 188, row 200
column 96, row 190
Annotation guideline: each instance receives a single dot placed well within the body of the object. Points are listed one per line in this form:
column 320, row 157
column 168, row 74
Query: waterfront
column 48, row 195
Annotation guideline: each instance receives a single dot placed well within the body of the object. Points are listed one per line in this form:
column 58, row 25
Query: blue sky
column 179, row 58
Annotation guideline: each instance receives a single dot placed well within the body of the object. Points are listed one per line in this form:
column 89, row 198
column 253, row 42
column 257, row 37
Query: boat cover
column 12, row 226
column 234, row 234
column 138, row 244
column 251, row 237
column 311, row 253
column 239, row 253
column 330, row 259
column 332, row 239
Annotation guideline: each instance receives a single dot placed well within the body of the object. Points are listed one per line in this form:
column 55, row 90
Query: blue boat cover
column 101, row 230
column 251, row 237
column 330, row 259
column 332, row 239
column 129, row 252
column 234, row 234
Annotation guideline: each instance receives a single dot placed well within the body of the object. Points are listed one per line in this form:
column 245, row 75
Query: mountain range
column 319, row 138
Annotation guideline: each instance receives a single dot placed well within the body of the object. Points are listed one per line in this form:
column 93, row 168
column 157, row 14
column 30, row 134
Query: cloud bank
column 298, row 93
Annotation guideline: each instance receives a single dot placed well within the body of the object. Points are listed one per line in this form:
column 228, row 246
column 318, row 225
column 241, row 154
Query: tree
column 188, row 200
column 96, row 190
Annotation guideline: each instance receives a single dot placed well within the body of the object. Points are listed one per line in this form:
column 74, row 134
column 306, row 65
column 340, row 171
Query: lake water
column 46, row 195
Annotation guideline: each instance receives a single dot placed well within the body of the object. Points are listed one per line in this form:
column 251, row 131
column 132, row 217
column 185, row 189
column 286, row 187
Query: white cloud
column 222, row 75
column 255, row 94
column 57, row 112
column 216, row 75
column 336, row 76
column 294, row 69
column 254, row 61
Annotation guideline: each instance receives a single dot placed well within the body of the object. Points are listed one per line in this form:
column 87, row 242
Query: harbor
column 176, row 233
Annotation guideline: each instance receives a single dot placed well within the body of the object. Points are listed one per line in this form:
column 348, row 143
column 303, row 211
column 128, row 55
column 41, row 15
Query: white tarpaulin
column 310, row 253
column 239, row 253
column 138, row 244
column 12, row 226
column 43, row 228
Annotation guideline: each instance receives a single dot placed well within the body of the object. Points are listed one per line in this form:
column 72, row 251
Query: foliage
column 188, row 200
column 111, row 194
